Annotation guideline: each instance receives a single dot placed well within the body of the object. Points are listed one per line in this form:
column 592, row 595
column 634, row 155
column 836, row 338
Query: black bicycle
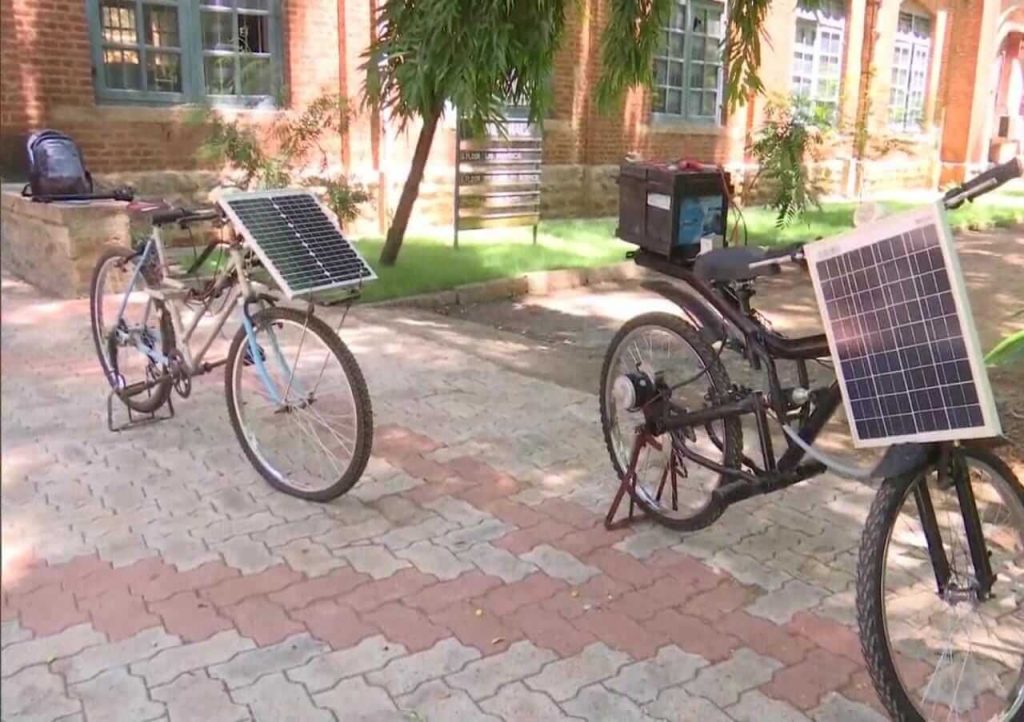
column 940, row 579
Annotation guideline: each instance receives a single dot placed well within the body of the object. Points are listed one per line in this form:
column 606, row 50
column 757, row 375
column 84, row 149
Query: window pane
column 906, row 23
column 658, row 102
column 254, row 4
column 220, row 75
column 163, row 72
column 678, row 19
column 674, row 102
column 699, row 25
column 161, row 26
column 256, row 76
column 693, row 103
column 660, row 72
column 252, row 34
column 119, row 22
column 675, row 74
column 219, row 3
column 676, row 45
column 710, row 76
column 697, row 49
column 710, row 101
column 121, row 69
column 696, row 74
column 219, row 31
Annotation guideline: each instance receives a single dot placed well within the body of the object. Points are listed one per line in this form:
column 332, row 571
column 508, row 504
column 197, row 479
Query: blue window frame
column 688, row 63
column 227, row 52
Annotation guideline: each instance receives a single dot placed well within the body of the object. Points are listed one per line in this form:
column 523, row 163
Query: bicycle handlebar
column 184, row 215
column 982, row 184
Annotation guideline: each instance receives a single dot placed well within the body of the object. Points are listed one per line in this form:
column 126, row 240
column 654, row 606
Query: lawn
column 430, row 263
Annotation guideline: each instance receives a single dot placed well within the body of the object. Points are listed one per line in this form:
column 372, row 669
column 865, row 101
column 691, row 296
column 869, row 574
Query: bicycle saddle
column 733, row 264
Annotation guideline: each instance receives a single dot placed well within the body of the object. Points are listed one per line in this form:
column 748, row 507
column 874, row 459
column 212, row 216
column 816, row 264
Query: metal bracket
column 133, row 420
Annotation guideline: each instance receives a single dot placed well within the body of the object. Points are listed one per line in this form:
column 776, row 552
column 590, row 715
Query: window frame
column 688, row 117
column 821, row 22
column 912, row 43
column 192, row 54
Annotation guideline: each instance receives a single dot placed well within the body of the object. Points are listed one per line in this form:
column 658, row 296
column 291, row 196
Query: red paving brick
column 693, row 635
column 48, row 610
column 693, row 574
column 118, row 614
column 860, row 689
column 96, row 583
column 431, row 491
column 514, row 513
column 441, row 595
column 582, row 543
column 334, row 624
column 727, row 597
column 480, row 495
column 401, row 585
column 138, row 574
column 478, row 628
column 262, row 621
column 804, row 684
column 406, row 626
column 392, row 441
column 475, row 471
column 623, row 567
column 550, row 631
column 528, row 590
column 191, row 618
column 521, row 541
column 232, row 591
column 765, row 637
column 833, row 636
column 425, row 469
column 335, row 584
column 172, row 581
column 620, row 632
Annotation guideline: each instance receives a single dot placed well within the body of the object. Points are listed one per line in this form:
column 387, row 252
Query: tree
column 480, row 55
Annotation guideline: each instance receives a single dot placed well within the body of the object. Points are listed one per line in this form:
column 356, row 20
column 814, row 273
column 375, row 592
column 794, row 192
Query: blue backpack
column 55, row 167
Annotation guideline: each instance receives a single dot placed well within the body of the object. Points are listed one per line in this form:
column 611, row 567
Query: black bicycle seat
column 733, row 264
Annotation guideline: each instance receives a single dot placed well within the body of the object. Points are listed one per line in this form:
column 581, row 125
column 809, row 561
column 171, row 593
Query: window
column 688, row 66
column 910, row 72
column 817, row 53
column 178, row 51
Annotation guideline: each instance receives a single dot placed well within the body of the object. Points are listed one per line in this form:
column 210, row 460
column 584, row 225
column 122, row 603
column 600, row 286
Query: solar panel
column 297, row 241
column 899, row 326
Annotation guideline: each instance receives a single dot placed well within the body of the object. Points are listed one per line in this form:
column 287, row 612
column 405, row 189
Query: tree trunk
column 411, row 189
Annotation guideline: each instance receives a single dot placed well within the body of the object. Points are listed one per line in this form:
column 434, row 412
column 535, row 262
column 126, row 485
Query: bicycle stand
column 628, row 480
column 133, row 419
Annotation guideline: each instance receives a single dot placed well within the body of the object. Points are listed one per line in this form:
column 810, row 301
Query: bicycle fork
column 953, row 471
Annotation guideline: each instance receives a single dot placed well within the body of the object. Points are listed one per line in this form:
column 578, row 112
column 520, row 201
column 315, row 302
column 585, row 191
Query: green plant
column 792, row 131
column 297, row 140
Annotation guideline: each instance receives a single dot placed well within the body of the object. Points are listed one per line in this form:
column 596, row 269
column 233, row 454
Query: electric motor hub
column 633, row 391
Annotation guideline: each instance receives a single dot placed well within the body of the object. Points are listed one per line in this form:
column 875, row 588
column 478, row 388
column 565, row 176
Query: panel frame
column 929, row 215
column 224, row 202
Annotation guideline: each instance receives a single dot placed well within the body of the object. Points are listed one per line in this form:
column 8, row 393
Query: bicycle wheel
column 948, row 656
column 299, row 405
column 675, row 491
column 145, row 323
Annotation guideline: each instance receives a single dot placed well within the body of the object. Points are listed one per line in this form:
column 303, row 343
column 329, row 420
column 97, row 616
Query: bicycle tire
column 881, row 521
column 162, row 391
column 732, row 442
column 354, row 377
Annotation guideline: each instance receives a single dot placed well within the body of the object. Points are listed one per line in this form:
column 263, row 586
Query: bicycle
column 930, row 547
column 296, row 397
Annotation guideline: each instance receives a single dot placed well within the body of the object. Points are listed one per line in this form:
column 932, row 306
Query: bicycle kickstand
column 628, row 479
column 133, row 420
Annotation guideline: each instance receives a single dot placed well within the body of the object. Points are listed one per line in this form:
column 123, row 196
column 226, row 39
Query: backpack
column 55, row 166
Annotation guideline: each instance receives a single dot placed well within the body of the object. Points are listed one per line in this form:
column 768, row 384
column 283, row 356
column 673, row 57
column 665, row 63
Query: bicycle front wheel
column 299, row 405
column 952, row 654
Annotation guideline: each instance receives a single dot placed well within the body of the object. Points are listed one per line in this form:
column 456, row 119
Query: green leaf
column 1009, row 350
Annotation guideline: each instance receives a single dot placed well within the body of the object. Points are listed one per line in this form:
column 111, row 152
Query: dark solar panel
column 297, row 241
column 905, row 357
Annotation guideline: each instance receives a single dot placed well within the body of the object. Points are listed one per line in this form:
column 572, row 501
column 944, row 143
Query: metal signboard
column 498, row 175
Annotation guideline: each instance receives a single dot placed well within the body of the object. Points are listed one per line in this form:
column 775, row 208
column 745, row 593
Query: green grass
column 429, row 262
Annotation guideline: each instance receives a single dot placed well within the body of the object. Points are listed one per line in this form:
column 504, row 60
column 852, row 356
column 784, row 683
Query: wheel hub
column 633, row 391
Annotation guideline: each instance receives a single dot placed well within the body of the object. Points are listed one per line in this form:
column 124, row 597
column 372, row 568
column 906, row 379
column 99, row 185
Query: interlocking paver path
column 152, row 575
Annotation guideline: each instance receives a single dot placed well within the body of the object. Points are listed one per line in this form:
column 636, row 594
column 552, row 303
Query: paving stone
column 402, row 536
column 498, row 562
column 436, row 701
column 274, row 699
column 780, row 606
column 644, row 543
column 466, row 537
column 458, row 511
column 564, row 678
column 677, row 705
column 598, row 703
column 837, row 708
column 35, row 695
column 724, row 682
column 643, row 681
column 17, row 656
column 247, row 667
column 326, row 670
column 368, row 490
column 225, row 529
column 433, row 559
column 247, row 555
column 374, row 560
column 310, row 558
column 332, row 585
column 748, row 570
column 483, row 678
column 353, row 700
column 232, row 591
column 282, row 534
column 804, row 684
column 116, row 694
column 333, row 623
column 755, row 707
column 403, row 675
column 342, row 536
column 194, row 696
column 516, row 703
column 170, row 663
column 100, row 658
column 11, row 632
column 559, row 564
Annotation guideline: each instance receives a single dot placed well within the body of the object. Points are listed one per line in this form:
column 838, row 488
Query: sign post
column 497, row 177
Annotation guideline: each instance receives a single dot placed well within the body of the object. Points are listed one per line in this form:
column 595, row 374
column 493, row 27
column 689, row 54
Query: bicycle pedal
column 247, row 359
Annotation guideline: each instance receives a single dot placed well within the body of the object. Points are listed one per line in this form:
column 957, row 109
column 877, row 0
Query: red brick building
column 945, row 77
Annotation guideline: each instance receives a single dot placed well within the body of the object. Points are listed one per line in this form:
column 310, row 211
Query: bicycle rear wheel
column 144, row 322
column 673, row 490
column 299, row 405
column 947, row 656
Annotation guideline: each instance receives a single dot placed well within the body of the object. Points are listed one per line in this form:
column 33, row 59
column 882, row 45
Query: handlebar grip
column 985, row 182
column 164, row 217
